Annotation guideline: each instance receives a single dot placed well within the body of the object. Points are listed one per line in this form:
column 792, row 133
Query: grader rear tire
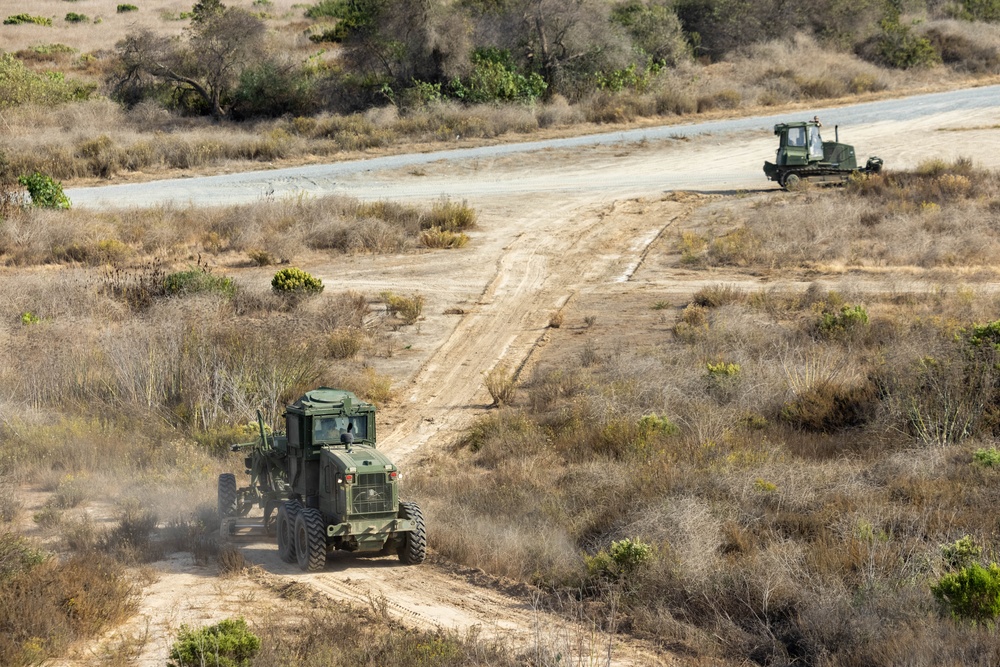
column 227, row 495
column 285, row 528
column 310, row 540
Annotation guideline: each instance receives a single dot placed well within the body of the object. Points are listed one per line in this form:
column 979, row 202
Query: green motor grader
column 323, row 486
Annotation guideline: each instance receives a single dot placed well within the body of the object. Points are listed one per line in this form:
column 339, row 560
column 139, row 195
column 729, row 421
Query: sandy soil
column 587, row 230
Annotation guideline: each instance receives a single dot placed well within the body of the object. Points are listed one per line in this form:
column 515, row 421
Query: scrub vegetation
column 228, row 82
column 133, row 351
column 779, row 475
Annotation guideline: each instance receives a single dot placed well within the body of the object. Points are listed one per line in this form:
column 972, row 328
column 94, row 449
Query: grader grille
column 372, row 494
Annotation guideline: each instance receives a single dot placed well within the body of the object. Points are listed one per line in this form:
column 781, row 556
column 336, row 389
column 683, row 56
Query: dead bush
column 344, row 343
column 449, row 216
column 435, row 237
column 48, row 604
column 718, row 295
column 130, row 541
column 501, row 384
column 231, row 561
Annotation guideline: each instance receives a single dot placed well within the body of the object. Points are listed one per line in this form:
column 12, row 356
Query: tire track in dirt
column 543, row 258
column 536, row 274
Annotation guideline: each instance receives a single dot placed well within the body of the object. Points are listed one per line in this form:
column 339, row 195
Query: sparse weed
column 718, row 295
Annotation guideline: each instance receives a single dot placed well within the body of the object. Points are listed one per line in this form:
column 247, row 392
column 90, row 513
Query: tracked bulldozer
column 322, row 485
column 803, row 156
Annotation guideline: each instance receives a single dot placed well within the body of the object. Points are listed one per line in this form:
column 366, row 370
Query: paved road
column 360, row 178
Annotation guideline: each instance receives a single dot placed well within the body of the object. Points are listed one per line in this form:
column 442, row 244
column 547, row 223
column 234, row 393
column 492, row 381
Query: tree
column 222, row 43
column 559, row 39
column 402, row 41
column 655, row 29
column 204, row 10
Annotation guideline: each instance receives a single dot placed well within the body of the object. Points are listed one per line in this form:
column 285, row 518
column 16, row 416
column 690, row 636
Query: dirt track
column 556, row 225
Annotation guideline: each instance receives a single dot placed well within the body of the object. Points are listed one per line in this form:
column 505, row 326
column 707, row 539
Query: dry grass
column 937, row 216
column 266, row 232
column 803, row 501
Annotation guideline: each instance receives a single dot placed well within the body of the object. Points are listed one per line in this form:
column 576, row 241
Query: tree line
column 413, row 51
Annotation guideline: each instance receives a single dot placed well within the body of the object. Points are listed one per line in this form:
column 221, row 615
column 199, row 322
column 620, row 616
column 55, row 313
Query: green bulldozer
column 323, row 486
column 803, row 156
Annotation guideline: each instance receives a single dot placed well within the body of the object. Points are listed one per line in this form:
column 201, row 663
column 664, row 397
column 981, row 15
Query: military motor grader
column 327, row 484
column 802, row 155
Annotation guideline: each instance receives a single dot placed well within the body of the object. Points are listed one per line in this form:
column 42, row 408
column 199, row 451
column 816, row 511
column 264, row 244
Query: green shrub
column 723, row 369
column 267, row 90
column 979, row 10
column 627, row 78
column 972, row 593
column 984, row 334
column 52, row 49
column 19, row 85
column 18, row 19
column 73, row 17
column 228, row 643
column 294, row 280
column 494, row 78
column 122, row 9
column 652, row 424
column 848, row 319
column 196, row 280
column 17, row 555
column 625, row 557
column 988, row 458
column 960, row 553
column 629, row 555
column 28, row 318
column 898, row 47
column 333, row 9
column 45, row 191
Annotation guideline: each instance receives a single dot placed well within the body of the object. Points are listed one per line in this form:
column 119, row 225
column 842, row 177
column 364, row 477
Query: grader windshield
column 330, row 429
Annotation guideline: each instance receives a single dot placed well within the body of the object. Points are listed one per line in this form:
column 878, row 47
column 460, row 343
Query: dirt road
column 558, row 223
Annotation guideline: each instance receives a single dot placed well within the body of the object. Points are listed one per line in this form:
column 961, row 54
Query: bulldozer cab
column 800, row 143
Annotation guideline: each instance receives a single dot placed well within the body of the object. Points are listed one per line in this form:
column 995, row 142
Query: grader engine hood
column 367, row 478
